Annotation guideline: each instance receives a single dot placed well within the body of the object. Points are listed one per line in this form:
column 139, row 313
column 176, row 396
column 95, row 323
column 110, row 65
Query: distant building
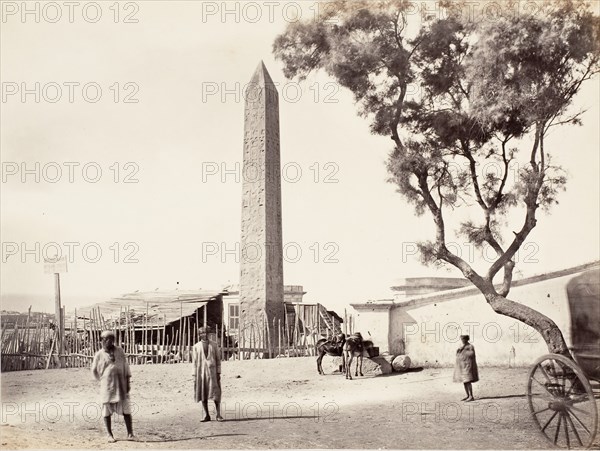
column 300, row 318
column 231, row 303
column 293, row 293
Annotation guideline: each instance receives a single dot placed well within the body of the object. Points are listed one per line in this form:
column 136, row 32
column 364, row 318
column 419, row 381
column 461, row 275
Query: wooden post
column 196, row 340
column 26, row 349
column 183, row 338
column 164, row 338
column 217, row 339
column 177, row 340
column 269, row 336
column 222, row 337
column 286, row 339
column 296, row 340
column 279, row 335
column 126, row 331
column 189, row 337
column 76, row 334
column 51, row 349
column 57, row 311
column 243, row 342
column 180, row 322
column 92, row 333
column 196, row 326
column 251, row 340
column 61, row 356
column 145, row 333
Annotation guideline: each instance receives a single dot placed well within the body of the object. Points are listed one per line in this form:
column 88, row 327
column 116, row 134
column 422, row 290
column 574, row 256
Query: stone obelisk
column 261, row 278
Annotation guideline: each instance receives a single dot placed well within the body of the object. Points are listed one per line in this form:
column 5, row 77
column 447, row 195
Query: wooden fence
column 26, row 346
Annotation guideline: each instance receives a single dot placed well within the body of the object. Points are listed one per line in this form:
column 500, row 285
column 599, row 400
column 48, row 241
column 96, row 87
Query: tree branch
column 397, row 115
column 467, row 154
column 441, row 250
column 506, row 161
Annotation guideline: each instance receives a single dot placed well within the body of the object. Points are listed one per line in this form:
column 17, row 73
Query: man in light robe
column 110, row 367
column 206, row 359
column 465, row 370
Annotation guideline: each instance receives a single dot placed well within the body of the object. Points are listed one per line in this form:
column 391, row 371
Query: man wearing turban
column 206, row 360
column 110, row 367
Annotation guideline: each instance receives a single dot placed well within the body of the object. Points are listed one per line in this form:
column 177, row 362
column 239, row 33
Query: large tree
column 492, row 83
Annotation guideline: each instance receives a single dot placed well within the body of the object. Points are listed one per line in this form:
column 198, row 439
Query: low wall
column 431, row 332
column 428, row 328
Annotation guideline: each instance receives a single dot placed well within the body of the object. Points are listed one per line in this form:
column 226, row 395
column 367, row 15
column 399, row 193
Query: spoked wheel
column 561, row 402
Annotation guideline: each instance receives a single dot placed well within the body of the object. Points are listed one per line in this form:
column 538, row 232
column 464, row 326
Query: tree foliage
column 483, row 85
column 489, row 90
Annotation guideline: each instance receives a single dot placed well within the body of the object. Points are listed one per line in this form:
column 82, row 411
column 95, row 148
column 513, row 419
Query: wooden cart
column 563, row 393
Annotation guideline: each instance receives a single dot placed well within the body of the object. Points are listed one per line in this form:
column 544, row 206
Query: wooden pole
column 269, row 337
column 51, row 350
column 61, row 354
column 145, row 333
column 180, row 322
column 243, row 342
column 286, row 343
column 164, row 338
column 189, row 337
column 126, row 330
column 92, row 333
column 27, row 346
column 222, row 336
column 183, row 337
column 177, row 340
column 57, row 311
column 217, row 339
column 279, row 335
column 76, row 335
column 296, row 340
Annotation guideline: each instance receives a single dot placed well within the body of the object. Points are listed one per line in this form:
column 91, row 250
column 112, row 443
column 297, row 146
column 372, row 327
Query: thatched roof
column 162, row 306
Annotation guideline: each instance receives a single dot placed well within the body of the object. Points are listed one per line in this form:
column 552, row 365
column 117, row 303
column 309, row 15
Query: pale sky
column 186, row 65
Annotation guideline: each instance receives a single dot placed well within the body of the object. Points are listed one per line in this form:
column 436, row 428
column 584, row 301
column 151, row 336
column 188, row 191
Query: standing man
column 110, row 367
column 465, row 370
column 207, row 373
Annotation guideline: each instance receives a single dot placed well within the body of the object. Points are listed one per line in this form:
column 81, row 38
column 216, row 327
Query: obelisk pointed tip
column 261, row 75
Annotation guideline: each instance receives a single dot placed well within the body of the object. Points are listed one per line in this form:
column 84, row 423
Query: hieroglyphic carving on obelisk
column 261, row 278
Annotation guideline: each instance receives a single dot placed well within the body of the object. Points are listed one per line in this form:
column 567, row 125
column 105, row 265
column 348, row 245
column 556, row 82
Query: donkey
column 355, row 346
column 333, row 347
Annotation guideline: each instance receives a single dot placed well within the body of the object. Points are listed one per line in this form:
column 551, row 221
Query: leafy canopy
column 490, row 87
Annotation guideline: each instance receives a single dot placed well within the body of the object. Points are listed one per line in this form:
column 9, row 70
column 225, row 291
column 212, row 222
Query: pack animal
column 355, row 346
column 333, row 347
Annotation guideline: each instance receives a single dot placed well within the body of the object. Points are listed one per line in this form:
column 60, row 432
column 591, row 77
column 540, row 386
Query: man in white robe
column 110, row 367
column 206, row 359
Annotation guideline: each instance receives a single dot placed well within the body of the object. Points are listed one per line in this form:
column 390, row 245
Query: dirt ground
column 280, row 403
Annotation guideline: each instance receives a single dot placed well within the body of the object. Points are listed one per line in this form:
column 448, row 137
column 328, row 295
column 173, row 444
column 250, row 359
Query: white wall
column 429, row 331
column 372, row 321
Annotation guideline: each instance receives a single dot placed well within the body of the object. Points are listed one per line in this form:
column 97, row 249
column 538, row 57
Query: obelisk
column 261, row 278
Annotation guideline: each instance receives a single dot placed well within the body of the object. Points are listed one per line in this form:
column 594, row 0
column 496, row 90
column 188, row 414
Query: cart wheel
column 561, row 402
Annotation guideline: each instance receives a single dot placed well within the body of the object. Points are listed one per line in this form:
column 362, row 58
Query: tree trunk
column 545, row 326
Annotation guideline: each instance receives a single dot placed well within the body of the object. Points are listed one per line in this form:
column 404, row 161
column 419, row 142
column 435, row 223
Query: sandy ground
column 280, row 403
